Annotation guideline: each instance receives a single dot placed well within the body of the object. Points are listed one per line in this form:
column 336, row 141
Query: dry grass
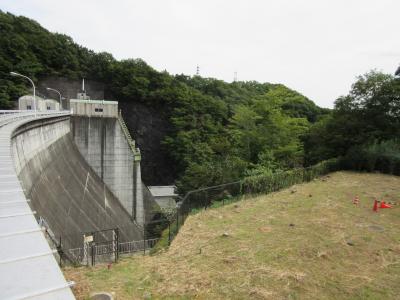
column 306, row 242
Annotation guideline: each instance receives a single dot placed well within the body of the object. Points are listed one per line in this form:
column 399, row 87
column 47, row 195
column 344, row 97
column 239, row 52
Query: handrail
column 131, row 142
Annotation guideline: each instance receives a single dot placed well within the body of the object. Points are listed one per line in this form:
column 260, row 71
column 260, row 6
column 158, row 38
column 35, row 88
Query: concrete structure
column 51, row 104
column 26, row 103
column 94, row 108
column 83, row 106
column 104, row 141
column 104, row 145
column 62, row 187
column 28, row 269
column 165, row 196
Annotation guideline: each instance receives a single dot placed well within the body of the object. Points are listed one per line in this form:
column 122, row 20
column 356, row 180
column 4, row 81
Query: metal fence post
column 116, row 249
column 93, row 252
column 144, row 238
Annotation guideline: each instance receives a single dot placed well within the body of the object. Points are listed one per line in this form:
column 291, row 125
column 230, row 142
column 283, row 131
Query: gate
column 101, row 246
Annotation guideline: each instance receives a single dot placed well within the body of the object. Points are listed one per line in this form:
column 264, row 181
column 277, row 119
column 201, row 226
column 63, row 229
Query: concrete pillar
column 139, row 201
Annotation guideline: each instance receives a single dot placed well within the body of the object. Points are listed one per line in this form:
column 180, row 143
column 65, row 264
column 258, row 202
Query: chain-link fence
column 226, row 193
column 105, row 246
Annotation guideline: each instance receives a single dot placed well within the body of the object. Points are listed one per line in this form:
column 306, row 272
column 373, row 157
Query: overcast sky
column 316, row 47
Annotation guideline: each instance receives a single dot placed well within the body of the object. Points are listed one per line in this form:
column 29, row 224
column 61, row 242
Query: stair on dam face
column 65, row 190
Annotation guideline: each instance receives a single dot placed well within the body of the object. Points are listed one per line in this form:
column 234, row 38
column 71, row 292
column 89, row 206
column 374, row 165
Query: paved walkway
column 28, row 269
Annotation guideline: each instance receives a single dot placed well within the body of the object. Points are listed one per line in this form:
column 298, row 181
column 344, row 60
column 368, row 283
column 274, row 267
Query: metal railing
column 81, row 255
column 131, row 141
column 136, row 246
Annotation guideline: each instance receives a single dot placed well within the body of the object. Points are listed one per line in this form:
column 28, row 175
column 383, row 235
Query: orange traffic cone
column 375, row 208
column 384, row 205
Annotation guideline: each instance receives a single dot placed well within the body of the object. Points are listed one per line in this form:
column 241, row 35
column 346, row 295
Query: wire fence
column 226, row 193
column 159, row 232
column 108, row 252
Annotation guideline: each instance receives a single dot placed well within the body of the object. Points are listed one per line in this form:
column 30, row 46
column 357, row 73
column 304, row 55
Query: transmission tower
column 198, row 70
column 235, row 77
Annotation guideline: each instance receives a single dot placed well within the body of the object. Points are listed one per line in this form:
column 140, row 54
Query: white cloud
column 317, row 47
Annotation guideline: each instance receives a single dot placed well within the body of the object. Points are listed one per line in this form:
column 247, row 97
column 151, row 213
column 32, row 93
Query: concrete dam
column 63, row 188
column 75, row 174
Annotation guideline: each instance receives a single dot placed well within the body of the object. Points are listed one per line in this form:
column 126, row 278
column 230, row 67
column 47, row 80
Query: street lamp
column 34, row 89
column 58, row 92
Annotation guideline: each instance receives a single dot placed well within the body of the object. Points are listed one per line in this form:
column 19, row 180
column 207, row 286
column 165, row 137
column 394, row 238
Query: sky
column 317, row 47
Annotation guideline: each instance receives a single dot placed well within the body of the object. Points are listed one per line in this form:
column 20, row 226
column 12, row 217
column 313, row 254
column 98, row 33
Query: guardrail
column 131, row 142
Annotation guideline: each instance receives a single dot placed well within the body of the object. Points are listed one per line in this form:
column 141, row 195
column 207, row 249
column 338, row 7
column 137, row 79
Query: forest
column 219, row 132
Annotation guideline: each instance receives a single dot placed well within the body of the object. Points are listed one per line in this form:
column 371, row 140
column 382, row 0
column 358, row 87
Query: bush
column 376, row 157
column 266, row 183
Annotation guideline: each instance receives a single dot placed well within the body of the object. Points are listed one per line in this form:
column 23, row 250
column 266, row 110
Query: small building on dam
column 27, row 102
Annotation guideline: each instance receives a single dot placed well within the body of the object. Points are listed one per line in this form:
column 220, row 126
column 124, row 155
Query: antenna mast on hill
column 198, row 70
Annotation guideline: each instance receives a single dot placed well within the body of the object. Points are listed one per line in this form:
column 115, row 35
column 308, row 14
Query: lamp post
column 58, row 92
column 34, row 89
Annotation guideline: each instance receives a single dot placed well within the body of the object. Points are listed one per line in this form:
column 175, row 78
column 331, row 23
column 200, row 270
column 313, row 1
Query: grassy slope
column 264, row 258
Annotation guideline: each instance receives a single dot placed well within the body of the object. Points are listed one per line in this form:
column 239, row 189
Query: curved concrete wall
column 62, row 186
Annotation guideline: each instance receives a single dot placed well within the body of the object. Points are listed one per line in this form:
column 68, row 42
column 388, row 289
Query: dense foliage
column 368, row 115
column 376, row 157
column 220, row 132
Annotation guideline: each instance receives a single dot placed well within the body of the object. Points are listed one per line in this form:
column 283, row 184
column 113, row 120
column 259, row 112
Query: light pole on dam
column 34, row 89
column 59, row 94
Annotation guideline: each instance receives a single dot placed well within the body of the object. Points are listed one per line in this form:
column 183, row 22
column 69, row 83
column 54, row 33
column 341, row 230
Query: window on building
column 29, row 107
column 98, row 110
column 48, row 108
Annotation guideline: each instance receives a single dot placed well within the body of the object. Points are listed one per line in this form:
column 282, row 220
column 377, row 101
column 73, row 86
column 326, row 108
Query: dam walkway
column 28, row 268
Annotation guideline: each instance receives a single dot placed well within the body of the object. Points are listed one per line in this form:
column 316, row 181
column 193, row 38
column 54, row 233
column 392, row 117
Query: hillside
column 205, row 131
column 306, row 242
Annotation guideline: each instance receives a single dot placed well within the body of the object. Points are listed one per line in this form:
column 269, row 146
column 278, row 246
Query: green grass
column 332, row 250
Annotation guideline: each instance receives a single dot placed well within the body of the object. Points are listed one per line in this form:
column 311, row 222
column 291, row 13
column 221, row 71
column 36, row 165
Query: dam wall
column 62, row 186
column 104, row 145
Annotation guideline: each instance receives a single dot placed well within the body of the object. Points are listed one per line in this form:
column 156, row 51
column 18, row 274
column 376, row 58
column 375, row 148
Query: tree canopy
column 369, row 113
